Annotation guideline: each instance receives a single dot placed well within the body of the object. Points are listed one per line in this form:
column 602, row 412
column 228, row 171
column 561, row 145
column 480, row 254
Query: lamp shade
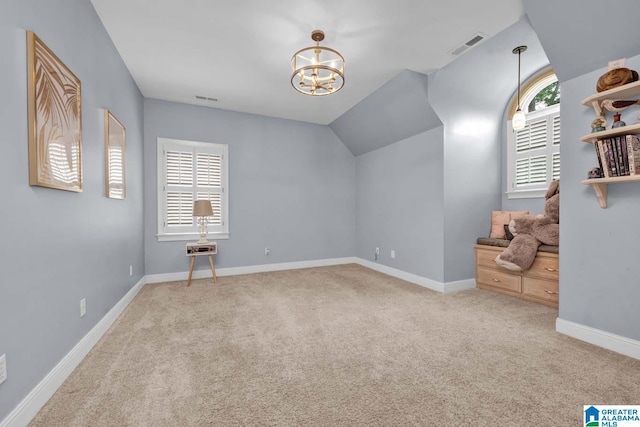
column 518, row 121
column 202, row 208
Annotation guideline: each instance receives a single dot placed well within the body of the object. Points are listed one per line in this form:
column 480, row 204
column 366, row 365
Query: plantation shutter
column 192, row 171
column 209, row 183
column 536, row 151
column 179, row 191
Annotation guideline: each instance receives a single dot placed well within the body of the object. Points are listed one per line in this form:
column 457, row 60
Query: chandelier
column 317, row 70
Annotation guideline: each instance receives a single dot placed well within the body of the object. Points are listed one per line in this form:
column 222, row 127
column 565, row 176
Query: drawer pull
column 496, row 280
column 550, row 269
column 550, row 292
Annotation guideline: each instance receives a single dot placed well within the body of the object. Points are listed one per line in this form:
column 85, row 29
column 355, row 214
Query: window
column 189, row 171
column 533, row 153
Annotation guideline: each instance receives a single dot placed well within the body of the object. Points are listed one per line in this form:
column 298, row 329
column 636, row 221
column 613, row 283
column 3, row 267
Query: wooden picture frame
column 55, row 120
column 115, row 137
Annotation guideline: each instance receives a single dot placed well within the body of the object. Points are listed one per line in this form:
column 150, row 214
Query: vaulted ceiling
column 239, row 52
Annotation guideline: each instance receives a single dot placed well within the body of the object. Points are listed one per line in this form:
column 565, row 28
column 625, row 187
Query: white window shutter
column 556, row 130
column 179, row 208
column 556, row 165
column 191, row 171
column 534, row 154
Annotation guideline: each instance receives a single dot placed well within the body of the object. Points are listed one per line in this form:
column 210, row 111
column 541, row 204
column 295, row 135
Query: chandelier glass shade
column 317, row 70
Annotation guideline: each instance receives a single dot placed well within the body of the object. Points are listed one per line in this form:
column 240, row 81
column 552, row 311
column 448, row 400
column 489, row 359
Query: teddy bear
column 531, row 231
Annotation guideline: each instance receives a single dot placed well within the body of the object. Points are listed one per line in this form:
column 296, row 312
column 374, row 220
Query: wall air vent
column 477, row 38
column 206, row 98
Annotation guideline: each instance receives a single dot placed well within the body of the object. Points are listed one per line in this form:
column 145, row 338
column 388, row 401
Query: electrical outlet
column 267, row 251
column 3, row 368
column 377, row 251
column 393, row 253
column 83, row 307
column 131, row 270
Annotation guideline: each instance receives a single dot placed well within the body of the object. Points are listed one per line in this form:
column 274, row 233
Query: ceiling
column 239, row 51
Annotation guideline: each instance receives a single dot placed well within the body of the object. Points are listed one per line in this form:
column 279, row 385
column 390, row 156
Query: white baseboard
column 419, row 280
column 459, row 285
column 250, row 269
column 613, row 342
column 38, row 397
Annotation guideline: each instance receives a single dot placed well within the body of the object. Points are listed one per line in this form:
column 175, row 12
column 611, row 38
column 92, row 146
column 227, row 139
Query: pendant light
column 518, row 121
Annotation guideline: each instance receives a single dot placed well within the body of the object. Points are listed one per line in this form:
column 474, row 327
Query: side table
column 197, row 249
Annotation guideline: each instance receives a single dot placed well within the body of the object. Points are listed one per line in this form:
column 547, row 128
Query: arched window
column 533, row 153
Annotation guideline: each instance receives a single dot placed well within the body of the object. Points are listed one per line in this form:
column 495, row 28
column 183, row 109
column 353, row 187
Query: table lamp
column 202, row 209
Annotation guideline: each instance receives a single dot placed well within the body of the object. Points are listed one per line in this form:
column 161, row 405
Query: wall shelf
column 617, row 93
column 600, row 186
column 624, row 130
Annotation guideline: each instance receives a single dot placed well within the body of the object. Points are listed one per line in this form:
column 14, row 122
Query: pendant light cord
column 519, row 52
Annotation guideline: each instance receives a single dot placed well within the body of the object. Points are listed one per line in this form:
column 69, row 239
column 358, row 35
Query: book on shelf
column 619, row 156
column 611, row 156
column 603, row 158
column 623, row 161
column 633, row 154
column 596, row 145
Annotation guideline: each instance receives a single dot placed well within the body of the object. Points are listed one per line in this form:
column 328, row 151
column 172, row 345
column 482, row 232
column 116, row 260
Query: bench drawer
column 498, row 279
column 539, row 288
column 545, row 266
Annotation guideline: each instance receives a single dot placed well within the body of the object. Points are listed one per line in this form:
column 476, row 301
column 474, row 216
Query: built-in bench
column 537, row 284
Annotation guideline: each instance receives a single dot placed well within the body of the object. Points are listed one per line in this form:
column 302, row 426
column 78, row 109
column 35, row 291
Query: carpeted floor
column 336, row 346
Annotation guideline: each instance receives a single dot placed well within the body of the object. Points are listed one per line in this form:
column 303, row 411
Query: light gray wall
column 400, row 204
column 291, row 187
column 598, row 247
column 58, row 246
column 583, row 35
column 395, row 111
column 469, row 95
column 599, row 269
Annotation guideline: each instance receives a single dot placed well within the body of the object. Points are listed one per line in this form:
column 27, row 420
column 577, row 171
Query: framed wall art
column 115, row 155
column 55, row 122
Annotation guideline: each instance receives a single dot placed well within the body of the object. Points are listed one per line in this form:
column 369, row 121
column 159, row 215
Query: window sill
column 186, row 237
column 526, row 194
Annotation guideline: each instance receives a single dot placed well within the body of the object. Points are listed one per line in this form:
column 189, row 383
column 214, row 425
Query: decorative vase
column 617, row 122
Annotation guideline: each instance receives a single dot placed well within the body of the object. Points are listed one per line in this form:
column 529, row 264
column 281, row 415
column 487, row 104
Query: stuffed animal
column 531, row 231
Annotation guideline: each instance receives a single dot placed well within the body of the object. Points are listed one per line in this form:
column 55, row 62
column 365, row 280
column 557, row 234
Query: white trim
column 459, row 285
column 184, row 233
column 530, row 191
column 425, row 282
column 613, row 342
column 448, row 287
column 249, row 269
column 400, row 274
column 28, row 408
column 185, row 237
column 525, row 194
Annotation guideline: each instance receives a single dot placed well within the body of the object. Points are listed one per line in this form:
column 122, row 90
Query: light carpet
column 336, row 346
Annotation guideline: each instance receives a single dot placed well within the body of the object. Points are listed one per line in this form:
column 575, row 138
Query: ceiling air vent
column 206, row 98
column 477, row 38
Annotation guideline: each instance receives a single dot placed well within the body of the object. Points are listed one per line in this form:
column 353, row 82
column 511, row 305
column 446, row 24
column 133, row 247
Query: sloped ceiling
column 579, row 36
column 239, row 51
column 397, row 110
column 478, row 86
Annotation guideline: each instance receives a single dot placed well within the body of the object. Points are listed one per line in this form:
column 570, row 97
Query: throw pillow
column 499, row 219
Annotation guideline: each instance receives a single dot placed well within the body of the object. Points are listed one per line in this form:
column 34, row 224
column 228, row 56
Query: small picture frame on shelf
column 594, row 173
